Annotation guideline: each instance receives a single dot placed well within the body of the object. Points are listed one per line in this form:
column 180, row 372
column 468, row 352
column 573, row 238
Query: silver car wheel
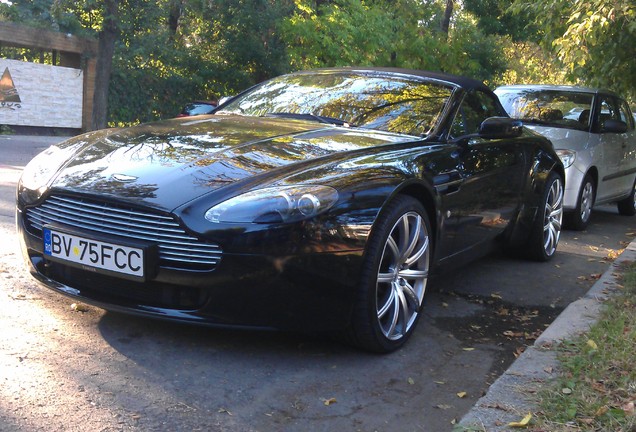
column 553, row 217
column 402, row 275
column 587, row 201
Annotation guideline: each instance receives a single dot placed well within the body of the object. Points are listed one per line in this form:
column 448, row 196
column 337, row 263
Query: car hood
column 169, row 163
column 563, row 138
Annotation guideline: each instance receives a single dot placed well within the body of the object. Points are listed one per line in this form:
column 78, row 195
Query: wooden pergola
column 72, row 51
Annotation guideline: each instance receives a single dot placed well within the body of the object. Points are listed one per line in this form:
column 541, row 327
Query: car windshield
column 401, row 105
column 548, row 107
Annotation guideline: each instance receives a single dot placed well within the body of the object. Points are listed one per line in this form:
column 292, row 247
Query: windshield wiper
column 308, row 116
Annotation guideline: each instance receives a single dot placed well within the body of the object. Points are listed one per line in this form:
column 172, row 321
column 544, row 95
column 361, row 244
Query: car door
column 614, row 172
column 628, row 147
column 492, row 173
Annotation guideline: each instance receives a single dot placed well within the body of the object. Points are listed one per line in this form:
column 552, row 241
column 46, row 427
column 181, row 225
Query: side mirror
column 500, row 127
column 614, row 126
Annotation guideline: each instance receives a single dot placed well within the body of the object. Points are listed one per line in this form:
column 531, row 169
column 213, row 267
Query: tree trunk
column 448, row 13
column 106, row 48
column 175, row 11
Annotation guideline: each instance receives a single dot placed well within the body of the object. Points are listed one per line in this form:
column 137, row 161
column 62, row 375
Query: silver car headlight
column 567, row 157
column 282, row 204
column 39, row 172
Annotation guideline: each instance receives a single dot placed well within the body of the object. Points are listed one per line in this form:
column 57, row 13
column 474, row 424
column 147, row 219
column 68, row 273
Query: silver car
column 593, row 133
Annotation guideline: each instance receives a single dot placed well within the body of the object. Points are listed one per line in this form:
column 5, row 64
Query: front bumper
column 573, row 180
column 308, row 292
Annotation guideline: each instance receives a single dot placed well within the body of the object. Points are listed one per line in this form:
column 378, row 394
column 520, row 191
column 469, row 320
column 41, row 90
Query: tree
column 595, row 39
column 107, row 37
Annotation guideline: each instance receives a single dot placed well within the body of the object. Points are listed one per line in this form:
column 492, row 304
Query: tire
column 394, row 276
column 580, row 217
column 546, row 229
column 627, row 207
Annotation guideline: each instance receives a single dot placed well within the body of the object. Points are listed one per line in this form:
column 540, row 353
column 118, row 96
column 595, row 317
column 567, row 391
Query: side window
column 626, row 114
column 608, row 111
column 474, row 109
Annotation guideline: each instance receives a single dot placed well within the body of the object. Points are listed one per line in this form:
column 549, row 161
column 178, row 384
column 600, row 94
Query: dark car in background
column 593, row 133
column 198, row 108
column 317, row 201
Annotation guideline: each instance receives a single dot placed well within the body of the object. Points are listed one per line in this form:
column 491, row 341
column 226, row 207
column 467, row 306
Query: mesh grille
column 177, row 249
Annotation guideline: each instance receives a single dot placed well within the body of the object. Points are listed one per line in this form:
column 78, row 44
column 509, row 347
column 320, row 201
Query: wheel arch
column 426, row 197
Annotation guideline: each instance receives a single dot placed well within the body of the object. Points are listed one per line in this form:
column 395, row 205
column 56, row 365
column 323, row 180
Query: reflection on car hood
column 168, row 163
column 562, row 138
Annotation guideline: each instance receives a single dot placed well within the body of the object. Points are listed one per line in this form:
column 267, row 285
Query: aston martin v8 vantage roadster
column 318, row 201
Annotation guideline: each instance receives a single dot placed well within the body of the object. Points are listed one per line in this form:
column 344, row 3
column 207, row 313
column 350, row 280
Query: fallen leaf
column 503, row 312
column 512, row 334
column 444, row 304
column 411, row 381
column 523, row 423
column 519, row 351
column 330, row 401
column 461, row 394
column 548, row 369
column 601, row 411
column 224, row 411
column 566, row 390
column 592, row 344
column 443, row 406
column 79, row 307
column 628, row 408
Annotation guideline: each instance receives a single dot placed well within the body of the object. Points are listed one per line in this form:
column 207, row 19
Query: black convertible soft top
column 460, row 81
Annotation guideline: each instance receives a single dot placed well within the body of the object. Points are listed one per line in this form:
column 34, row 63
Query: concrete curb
column 509, row 398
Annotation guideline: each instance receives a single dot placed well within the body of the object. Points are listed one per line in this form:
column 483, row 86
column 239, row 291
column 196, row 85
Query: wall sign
column 33, row 94
column 9, row 97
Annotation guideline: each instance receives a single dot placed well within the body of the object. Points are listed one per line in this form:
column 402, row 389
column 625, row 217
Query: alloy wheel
column 587, row 200
column 553, row 217
column 402, row 275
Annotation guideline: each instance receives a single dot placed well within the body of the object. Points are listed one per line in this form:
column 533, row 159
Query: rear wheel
column 580, row 217
column 394, row 277
column 547, row 225
column 627, row 207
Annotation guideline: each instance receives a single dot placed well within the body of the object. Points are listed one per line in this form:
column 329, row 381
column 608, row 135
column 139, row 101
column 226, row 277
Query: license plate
column 94, row 255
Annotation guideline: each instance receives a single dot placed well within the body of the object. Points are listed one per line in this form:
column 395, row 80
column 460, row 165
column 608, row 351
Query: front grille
column 177, row 249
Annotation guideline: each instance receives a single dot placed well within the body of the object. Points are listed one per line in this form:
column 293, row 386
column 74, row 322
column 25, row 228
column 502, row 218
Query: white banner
column 33, row 94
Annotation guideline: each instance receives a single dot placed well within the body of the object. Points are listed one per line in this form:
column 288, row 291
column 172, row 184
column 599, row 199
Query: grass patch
column 596, row 390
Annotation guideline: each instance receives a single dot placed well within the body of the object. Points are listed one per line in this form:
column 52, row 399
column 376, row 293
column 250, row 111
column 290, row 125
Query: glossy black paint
column 300, row 275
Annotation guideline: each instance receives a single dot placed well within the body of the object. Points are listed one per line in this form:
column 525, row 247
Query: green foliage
column 339, row 33
column 170, row 52
column 594, row 39
column 527, row 63
column 404, row 33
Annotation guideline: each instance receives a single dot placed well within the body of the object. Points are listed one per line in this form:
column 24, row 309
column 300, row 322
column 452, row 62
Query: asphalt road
column 67, row 369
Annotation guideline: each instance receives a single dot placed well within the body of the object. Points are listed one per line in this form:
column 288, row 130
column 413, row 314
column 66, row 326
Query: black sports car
column 316, row 201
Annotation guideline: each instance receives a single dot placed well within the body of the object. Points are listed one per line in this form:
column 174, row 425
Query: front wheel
column 547, row 225
column 394, row 277
column 580, row 217
column 627, row 207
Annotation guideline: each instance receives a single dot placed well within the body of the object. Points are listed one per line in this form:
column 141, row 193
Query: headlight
column 567, row 157
column 274, row 205
column 38, row 173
